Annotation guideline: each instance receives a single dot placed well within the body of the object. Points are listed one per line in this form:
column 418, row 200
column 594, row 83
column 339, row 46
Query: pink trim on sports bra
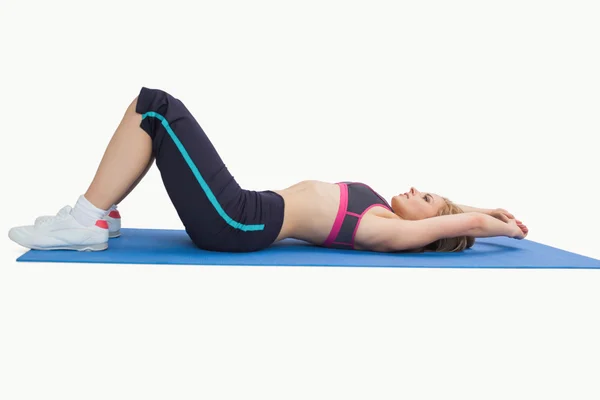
column 341, row 214
column 360, row 219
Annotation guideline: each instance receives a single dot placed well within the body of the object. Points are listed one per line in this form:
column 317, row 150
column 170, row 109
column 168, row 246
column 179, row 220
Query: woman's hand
column 518, row 229
column 505, row 216
column 501, row 214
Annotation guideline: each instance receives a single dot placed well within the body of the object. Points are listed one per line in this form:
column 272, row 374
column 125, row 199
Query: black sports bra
column 356, row 199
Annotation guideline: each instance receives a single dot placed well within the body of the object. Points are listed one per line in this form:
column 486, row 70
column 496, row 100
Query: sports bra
column 356, row 199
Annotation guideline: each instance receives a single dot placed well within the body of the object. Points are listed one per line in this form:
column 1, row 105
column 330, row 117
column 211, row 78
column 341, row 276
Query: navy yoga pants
column 217, row 213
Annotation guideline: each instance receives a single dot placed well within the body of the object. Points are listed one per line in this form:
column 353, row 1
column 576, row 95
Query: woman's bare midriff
column 311, row 208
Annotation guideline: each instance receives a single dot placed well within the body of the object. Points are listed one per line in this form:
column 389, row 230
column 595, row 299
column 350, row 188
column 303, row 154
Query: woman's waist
column 308, row 215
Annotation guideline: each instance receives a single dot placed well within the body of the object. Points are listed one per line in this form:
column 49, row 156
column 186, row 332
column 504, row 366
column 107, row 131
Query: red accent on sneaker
column 102, row 224
column 114, row 214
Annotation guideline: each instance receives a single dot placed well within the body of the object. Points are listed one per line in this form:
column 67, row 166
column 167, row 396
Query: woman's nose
column 413, row 191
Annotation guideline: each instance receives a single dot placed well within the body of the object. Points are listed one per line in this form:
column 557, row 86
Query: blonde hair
column 454, row 244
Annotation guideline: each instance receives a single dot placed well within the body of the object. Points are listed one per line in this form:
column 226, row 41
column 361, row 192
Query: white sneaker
column 61, row 232
column 114, row 224
column 113, row 219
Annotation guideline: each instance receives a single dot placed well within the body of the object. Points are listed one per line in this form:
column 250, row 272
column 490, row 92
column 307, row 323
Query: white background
column 492, row 104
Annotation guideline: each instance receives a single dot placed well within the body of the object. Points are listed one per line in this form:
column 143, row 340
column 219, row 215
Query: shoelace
column 62, row 214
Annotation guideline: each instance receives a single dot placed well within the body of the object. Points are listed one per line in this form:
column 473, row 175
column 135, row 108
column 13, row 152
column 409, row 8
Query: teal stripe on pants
column 199, row 178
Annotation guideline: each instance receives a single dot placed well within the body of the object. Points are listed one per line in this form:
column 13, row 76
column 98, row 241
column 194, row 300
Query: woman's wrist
column 489, row 227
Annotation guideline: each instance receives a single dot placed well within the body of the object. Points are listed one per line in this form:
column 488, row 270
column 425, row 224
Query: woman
column 218, row 215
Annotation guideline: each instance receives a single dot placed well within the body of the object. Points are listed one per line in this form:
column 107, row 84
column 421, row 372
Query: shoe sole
column 78, row 247
column 85, row 247
column 115, row 234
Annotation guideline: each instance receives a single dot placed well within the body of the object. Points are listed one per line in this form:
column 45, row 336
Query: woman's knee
column 133, row 105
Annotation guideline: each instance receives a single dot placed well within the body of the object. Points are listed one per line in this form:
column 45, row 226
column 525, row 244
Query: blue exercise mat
column 160, row 246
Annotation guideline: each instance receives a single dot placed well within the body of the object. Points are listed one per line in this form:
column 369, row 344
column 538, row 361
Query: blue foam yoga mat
column 160, row 246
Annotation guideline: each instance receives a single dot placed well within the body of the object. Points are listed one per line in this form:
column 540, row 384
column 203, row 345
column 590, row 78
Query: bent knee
column 133, row 105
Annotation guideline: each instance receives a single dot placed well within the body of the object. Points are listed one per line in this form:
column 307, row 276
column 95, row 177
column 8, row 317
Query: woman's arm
column 388, row 235
column 489, row 226
column 475, row 209
column 499, row 213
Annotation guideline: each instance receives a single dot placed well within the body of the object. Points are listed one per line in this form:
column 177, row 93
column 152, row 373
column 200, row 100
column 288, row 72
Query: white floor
column 83, row 331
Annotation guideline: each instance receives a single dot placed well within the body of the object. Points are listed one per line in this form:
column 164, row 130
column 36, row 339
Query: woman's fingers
column 523, row 227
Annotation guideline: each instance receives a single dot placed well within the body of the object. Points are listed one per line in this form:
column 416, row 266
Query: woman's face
column 414, row 205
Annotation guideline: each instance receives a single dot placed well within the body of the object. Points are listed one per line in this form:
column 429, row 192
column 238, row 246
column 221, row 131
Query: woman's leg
column 216, row 212
column 138, row 180
column 127, row 157
column 126, row 160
